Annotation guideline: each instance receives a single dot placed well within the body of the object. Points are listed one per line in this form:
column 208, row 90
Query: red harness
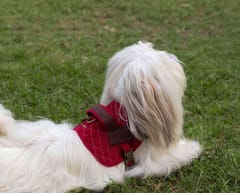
column 106, row 135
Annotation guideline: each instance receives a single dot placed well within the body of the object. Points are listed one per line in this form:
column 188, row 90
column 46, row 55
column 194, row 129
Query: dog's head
column 150, row 84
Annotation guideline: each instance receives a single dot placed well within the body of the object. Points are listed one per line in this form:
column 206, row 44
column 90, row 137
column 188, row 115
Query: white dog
column 142, row 103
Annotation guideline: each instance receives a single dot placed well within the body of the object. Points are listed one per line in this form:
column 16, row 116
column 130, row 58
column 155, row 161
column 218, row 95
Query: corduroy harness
column 106, row 135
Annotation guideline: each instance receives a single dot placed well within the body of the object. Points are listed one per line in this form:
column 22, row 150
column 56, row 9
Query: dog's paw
column 4, row 112
column 2, row 132
column 6, row 121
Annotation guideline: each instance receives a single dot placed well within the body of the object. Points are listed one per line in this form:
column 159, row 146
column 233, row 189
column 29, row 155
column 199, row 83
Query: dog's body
column 44, row 157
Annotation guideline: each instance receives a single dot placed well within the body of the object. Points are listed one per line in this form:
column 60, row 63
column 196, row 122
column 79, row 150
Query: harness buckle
column 129, row 159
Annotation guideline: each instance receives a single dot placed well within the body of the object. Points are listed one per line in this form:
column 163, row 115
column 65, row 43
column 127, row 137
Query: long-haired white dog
column 148, row 85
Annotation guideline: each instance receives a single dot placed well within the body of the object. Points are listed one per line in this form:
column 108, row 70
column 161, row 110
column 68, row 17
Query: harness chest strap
column 116, row 134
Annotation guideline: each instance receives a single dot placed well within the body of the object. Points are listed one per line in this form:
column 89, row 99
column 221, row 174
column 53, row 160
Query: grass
column 52, row 63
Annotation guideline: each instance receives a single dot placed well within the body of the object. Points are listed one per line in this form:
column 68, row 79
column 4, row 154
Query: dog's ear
column 152, row 97
column 150, row 113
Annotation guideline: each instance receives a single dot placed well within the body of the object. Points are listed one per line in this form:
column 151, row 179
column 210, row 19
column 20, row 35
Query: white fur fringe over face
column 44, row 157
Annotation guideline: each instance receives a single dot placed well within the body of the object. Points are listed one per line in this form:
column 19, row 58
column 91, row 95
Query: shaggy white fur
column 44, row 157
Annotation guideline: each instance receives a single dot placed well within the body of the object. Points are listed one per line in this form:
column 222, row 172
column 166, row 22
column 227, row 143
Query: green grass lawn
column 53, row 56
